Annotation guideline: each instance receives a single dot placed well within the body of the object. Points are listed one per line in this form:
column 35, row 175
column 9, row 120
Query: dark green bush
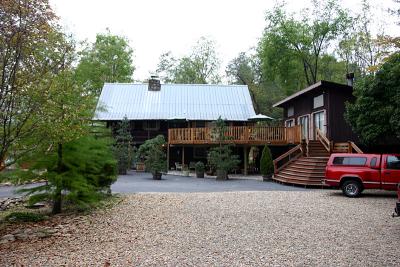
column 266, row 163
column 25, row 217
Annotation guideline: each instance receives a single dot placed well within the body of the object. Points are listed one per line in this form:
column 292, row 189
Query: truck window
column 354, row 161
column 393, row 162
column 373, row 162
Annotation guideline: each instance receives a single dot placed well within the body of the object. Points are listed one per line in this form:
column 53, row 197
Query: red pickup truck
column 355, row 172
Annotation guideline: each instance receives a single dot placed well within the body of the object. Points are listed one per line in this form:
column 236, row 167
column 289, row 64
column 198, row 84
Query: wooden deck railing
column 346, row 147
column 283, row 160
column 237, row 134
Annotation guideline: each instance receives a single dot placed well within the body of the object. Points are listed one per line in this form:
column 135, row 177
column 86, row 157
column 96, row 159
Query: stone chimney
column 350, row 79
column 154, row 83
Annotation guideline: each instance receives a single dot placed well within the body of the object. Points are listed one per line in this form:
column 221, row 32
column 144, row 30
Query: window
column 289, row 123
column 354, row 161
column 290, row 111
column 393, row 162
column 318, row 101
column 200, row 152
column 151, row 125
column 373, row 162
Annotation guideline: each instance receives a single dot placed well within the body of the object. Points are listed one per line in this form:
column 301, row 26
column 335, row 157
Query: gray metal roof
column 191, row 101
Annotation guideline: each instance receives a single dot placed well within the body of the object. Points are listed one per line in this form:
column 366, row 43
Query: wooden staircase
column 303, row 171
column 305, row 164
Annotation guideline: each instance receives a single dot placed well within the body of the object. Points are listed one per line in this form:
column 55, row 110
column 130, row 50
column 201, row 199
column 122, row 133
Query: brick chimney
column 154, row 83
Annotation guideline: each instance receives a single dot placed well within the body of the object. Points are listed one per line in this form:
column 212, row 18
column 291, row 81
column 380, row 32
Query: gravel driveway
column 313, row 228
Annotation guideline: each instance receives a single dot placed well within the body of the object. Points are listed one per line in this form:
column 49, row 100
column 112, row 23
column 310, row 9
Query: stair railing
column 291, row 155
column 323, row 139
column 353, row 146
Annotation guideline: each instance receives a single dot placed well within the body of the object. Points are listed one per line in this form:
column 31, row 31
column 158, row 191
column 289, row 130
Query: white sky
column 157, row 26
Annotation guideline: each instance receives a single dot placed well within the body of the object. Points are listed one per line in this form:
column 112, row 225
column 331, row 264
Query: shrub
column 266, row 163
column 25, row 217
column 152, row 151
column 199, row 166
column 86, row 167
column 122, row 148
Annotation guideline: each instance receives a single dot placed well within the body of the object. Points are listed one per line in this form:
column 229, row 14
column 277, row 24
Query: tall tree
column 359, row 48
column 300, row 43
column 32, row 51
column 108, row 59
column 201, row 66
column 243, row 69
column 375, row 115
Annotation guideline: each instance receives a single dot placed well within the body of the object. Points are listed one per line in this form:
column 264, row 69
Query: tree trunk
column 57, row 201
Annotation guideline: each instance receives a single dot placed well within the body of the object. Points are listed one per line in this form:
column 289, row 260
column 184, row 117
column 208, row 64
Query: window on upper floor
column 318, row 101
column 290, row 111
column 151, row 125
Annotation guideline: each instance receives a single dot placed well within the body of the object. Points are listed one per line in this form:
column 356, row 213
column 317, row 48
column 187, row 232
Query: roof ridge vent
column 154, row 83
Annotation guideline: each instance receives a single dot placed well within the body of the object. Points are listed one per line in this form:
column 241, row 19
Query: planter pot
column 140, row 167
column 222, row 175
column 267, row 177
column 186, row 173
column 157, row 176
column 200, row 174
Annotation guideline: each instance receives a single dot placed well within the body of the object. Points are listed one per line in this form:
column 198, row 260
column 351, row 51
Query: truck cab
column 355, row 172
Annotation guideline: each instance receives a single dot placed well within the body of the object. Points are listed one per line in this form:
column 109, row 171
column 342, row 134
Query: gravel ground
column 317, row 228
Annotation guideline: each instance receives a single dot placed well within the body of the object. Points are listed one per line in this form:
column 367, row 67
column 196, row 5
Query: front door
column 304, row 122
column 391, row 172
column 319, row 122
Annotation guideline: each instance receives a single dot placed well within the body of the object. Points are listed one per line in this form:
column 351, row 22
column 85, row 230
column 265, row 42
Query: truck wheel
column 352, row 188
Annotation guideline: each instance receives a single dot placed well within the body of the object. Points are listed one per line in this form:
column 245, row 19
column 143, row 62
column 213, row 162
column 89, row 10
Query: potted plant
column 266, row 164
column 199, row 167
column 154, row 156
column 185, row 170
column 220, row 157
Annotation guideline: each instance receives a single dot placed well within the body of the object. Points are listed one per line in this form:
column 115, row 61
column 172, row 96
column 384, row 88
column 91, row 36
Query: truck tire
column 352, row 188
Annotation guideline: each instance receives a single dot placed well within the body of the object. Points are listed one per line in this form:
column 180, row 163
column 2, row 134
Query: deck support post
column 246, row 159
column 167, row 158
column 183, row 156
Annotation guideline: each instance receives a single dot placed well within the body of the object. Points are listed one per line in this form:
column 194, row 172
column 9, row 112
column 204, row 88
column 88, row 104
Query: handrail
column 236, row 134
column 324, row 140
column 285, row 155
column 355, row 147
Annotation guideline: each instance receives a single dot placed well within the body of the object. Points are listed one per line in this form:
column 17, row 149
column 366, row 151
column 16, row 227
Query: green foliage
column 109, row 59
column 122, row 149
column 200, row 67
column 25, row 217
column 375, row 115
column 81, row 170
column 291, row 49
column 199, row 166
column 153, row 152
column 266, row 164
column 33, row 50
column 221, row 157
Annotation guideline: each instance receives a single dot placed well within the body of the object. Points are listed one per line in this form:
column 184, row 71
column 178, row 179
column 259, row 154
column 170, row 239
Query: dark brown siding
column 340, row 130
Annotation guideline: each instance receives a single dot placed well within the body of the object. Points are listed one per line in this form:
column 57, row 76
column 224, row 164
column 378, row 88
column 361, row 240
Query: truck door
column 391, row 172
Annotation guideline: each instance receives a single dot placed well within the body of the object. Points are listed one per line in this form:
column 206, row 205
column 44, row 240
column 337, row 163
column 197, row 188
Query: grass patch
column 20, row 216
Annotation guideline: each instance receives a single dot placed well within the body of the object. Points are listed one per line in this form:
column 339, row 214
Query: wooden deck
column 242, row 135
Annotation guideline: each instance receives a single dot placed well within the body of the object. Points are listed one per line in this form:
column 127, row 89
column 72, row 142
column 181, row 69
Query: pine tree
column 122, row 148
column 266, row 164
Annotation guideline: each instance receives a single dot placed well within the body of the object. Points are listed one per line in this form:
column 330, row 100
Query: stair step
column 319, row 171
column 302, row 174
column 285, row 179
column 306, row 168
